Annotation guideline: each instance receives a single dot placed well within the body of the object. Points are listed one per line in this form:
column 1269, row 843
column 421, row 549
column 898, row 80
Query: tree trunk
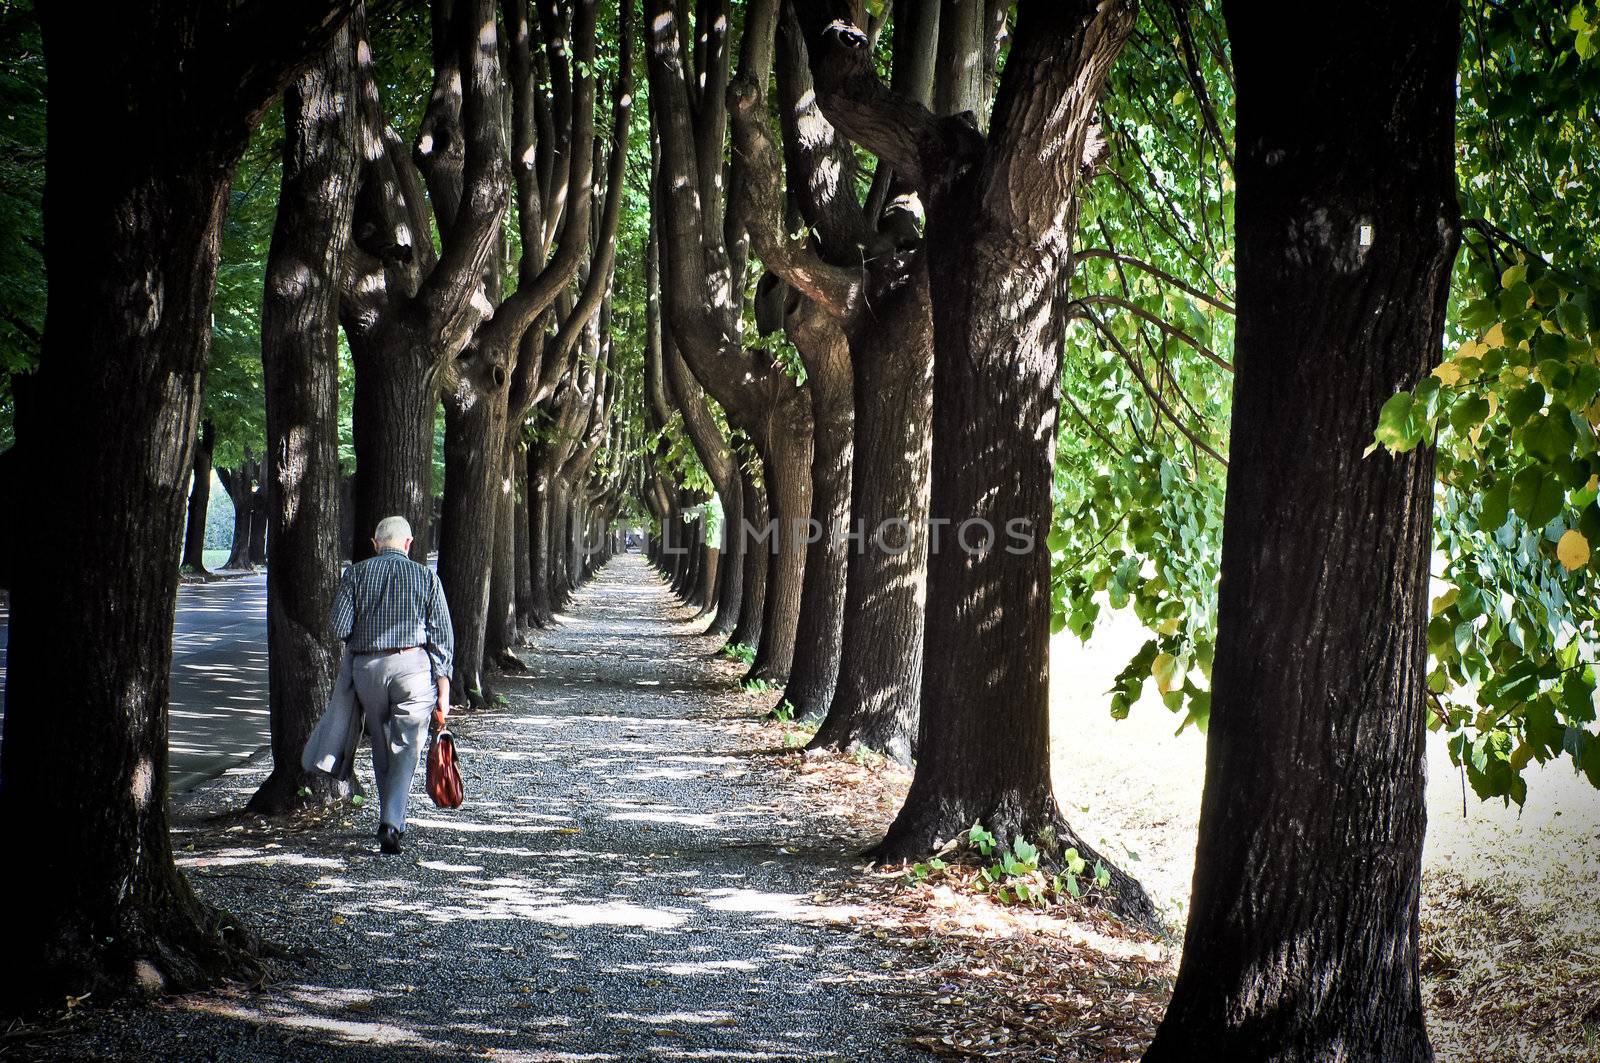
column 693, row 544
column 237, row 483
column 347, row 514
column 708, row 580
column 673, row 551
column 194, row 531
column 260, row 501
column 522, row 547
column 474, row 448
column 300, row 371
column 877, row 699
column 539, row 524
column 131, row 252
column 819, row 629
column 1302, row 937
column 786, row 469
column 395, row 401
column 579, row 526
column 503, row 630
column 557, row 559
column 753, row 555
column 730, row 576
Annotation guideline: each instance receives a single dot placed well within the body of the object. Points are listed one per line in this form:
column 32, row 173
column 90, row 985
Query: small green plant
column 980, row 839
column 1013, row 874
column 738, row 651
column 757, row 686
column 866, row 756
column 784, row 712
column 794, row 739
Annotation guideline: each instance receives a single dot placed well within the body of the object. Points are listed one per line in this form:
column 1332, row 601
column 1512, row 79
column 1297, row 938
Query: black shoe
column 389, row 839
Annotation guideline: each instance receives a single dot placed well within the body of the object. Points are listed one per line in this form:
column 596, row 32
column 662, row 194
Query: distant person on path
column 392, row 613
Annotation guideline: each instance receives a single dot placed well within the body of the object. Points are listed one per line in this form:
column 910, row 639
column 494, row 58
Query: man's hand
column 441, row 711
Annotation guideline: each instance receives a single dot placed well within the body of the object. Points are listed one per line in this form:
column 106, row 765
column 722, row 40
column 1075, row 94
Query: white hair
column 392, row 531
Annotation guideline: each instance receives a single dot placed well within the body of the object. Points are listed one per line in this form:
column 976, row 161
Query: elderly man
column 392, row 613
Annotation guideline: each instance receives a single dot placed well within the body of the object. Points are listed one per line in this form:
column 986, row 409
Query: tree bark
column 260, row 502
column 542, row 611
column 394, row 404
column 1302, row 936
column 560, row 516
column 474, row 444
column 194, row 532
column 877, row 698
column 752, row 609
column 786, row 469
column 300, row 369
column 731, row 563
column 522, row 546
column 238, row 483
column 689, row 582
column 131, row 252
column 708, row 580
column 819, row 629
column 510, row 527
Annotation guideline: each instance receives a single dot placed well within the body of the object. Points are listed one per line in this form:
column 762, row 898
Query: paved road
column 219, row 677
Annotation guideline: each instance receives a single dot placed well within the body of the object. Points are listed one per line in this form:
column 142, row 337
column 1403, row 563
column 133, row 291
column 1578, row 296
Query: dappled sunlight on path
column 617, row 886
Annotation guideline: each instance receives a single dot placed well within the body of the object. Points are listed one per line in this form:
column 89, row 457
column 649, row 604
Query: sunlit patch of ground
column 1511, row 897
column 974, row 978
column 1534, row 995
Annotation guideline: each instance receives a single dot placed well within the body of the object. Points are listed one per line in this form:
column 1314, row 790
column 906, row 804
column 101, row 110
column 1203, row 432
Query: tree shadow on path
column 618, row 885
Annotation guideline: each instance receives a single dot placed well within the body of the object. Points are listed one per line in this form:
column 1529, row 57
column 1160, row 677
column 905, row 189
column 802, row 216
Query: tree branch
column 1155, row 271
column 897, row 129
column 1159, row 322
column 820, row 164
column 600, row 268
column 834, row 288
column 561, row 112
column 1149, row 389
column 707, row 327
column 274, row 38
column 450, row 299
column 518, row 311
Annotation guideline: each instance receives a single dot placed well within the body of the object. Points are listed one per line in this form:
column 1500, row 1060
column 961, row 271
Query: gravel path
column 625, row 881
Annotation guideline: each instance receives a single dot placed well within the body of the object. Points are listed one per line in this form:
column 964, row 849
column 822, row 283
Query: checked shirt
column 390, row 602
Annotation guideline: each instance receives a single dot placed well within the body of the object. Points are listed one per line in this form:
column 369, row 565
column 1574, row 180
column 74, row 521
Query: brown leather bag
column 444, row 778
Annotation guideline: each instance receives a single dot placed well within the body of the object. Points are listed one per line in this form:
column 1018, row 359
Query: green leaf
column 1536, row 496
column 1495, row 507
column 1400, row 423
column 1550, row 437
column 1525, row 403
column 1468, row 413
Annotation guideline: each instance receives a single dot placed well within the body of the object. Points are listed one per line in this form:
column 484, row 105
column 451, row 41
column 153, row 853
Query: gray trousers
column 397, row 694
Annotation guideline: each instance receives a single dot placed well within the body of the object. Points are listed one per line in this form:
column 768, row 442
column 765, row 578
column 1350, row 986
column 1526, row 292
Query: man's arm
column 441, row 644
column 342, row 617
